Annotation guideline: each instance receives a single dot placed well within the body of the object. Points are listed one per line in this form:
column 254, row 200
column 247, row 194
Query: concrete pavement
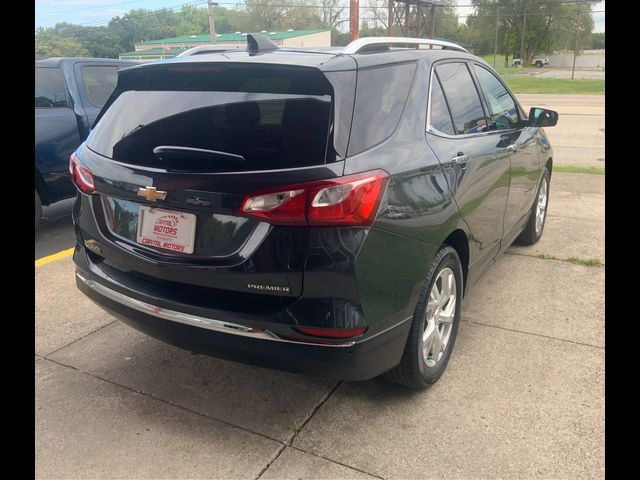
column 578, row 139
column 523, row 396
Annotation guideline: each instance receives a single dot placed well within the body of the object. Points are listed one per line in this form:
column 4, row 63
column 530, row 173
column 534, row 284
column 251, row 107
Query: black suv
column 320, row 211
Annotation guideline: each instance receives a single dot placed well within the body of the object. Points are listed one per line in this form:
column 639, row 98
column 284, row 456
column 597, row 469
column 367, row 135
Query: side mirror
column 541, row 117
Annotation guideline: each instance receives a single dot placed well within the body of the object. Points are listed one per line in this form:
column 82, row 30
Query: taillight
column 331, row 332
column 81, row 176
column 350, row 200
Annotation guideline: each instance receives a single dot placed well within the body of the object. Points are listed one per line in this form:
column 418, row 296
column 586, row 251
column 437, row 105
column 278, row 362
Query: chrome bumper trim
column 197, row 321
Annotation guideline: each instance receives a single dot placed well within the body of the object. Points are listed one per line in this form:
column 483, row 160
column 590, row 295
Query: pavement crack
column 78, row 339
column 583, row 219
column 322, row 401
column 336, row 462
column 167, row 402
column 565, row 260
column 533, row 334
column 281, row 449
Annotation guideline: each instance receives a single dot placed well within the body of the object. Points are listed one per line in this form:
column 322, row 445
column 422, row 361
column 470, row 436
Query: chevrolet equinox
column 320, row 210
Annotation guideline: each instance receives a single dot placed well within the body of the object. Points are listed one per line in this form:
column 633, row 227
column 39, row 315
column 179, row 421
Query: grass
column 587, row 262
column 573, row 169
column 500, row 68
column 526, row 84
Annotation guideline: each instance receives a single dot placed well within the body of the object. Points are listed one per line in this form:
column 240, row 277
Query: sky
column 99, row 12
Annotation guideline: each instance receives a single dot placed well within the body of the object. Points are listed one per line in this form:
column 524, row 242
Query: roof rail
column 361, row 43
column 208, row 48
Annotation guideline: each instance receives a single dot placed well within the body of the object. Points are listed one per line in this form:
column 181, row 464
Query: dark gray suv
column 321, row 211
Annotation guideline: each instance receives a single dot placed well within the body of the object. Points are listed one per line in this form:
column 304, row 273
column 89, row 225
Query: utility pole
column 495, row 45
column 212, row 25
column 390, row 18
column 354, row 19
column 433, row 21
column 524, row 17
column 575, row 48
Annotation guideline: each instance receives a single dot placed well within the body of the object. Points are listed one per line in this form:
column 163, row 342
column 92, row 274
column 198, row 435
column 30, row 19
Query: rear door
column 475, row 164
column 97, row 82
column 207, row 135
column 56, row 132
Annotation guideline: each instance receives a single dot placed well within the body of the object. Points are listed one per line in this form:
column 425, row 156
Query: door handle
column 513, row 148
column 461, row 159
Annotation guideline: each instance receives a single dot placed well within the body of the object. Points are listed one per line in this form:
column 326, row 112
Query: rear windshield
column 238, row 120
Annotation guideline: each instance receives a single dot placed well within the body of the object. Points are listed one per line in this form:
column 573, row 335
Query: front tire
column 434, row 326
column 38, row 210
column 535, row 226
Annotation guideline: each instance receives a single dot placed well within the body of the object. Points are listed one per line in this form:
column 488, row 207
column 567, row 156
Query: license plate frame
column 164, row 229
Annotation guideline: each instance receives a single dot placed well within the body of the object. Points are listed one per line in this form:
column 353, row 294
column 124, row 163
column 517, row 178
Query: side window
column 99, row 82
column 380, row 98
column 504, row 113
column 50, row 90
column 462, row 97
column 439, row 116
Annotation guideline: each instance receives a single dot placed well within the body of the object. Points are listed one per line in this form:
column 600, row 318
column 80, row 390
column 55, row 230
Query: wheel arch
column 41, row 187
column 549, row 165
column 460, row 243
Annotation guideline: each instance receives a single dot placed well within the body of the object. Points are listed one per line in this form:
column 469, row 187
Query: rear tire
column 539, row 64
column 535, row 226
column 38, row 210
column 434, row 326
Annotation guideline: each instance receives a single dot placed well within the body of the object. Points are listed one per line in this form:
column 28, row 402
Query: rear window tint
column 440, row 118
column 50, row 89
column 99, row 82
column 462, row 98
column 380, row 98
column 266, row 131
column 245, row 118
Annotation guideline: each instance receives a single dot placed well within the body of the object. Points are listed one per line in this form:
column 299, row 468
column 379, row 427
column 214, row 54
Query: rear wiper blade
column 186, row 152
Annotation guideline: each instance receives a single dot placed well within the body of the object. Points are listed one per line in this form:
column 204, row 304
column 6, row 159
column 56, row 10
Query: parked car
column 69, row 93
column 540, row 62
column 288, row 208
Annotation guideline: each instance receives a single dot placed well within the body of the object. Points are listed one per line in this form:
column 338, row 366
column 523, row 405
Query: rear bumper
column 245, row 340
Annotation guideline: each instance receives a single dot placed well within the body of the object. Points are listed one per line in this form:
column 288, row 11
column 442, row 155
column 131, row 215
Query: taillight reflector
column 350, row 200
column 331, row 332
column 81, row 176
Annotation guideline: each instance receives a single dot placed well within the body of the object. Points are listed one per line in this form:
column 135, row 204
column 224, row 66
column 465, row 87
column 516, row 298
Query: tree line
column 511, row 27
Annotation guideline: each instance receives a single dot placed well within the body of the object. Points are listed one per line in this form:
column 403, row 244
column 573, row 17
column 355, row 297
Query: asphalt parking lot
column 523, row 396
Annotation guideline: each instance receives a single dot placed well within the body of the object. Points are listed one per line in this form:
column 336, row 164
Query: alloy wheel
column 541, row 206
column 441, row 310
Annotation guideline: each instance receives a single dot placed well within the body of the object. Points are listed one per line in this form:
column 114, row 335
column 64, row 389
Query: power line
column 72, row 10
column 151, row 13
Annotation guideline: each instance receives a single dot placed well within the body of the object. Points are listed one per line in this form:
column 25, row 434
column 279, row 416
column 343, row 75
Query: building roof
column 230, row 37
column 154, row 52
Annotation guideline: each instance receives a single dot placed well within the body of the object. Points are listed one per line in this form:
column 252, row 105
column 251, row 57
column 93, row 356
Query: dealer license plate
column 166, row 229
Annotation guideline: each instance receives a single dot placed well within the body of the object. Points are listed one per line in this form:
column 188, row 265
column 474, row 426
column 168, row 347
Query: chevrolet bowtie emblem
column 151, row 194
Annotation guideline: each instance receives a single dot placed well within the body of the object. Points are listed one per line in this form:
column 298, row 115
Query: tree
column 573, row 20
column 340, row 39
column 331, row 13
column 597, row 41
column 49, row 44
column 286, row 14
column 542, row 23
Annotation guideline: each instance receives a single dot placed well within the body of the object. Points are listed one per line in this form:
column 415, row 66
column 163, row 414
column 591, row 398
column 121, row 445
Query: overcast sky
column 99, row 12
